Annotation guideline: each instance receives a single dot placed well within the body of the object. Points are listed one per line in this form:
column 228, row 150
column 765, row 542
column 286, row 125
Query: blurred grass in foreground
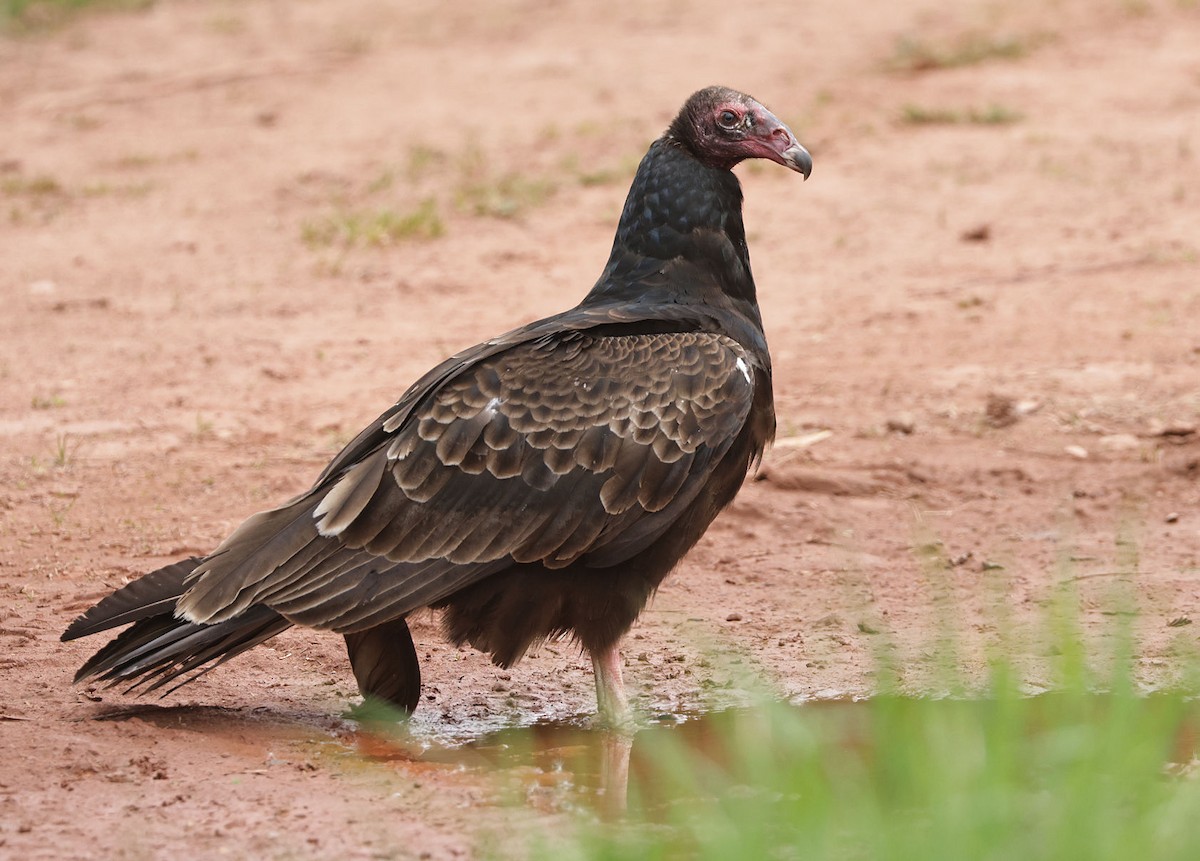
column 1096, row 770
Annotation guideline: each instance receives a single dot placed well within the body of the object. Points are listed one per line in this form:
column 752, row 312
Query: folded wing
column 573, row 447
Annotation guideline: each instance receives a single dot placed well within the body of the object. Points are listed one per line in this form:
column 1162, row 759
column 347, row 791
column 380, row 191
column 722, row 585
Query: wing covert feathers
column 568, row 447
column 533, row 452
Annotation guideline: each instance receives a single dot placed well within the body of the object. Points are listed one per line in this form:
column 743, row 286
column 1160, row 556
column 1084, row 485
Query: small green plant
column 598, row 177
column 227, row 25
column 621, row 171
column 127, row 189
column 34, row 186
column 994, row 114
column 384, row 181
column 38, row 198
column 505, row 196
column 59, row 511
column 64, row 450
column 422, row 159
column 204, row 427
column 381, row 227
column 917, row 54
column 921, row 116
column 47, row 402
column 30, row 15
column 135, row 161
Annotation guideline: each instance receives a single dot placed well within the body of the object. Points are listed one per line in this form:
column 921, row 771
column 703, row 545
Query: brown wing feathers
column 621, row 418
column 546, row 452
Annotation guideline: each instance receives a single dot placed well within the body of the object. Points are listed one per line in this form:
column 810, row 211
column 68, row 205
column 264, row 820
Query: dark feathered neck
column 680, row 239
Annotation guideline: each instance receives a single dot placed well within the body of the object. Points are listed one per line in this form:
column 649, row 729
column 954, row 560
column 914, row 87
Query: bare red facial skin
column 731, row 131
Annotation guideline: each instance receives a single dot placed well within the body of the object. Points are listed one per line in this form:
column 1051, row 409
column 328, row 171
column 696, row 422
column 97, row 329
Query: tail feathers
column 151, row 595
column 158, row 650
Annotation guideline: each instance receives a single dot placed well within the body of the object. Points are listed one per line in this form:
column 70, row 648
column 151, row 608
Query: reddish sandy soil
column 986, row 336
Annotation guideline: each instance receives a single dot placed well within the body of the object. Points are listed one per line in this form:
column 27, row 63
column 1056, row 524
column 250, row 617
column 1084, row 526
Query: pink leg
column 612, row 703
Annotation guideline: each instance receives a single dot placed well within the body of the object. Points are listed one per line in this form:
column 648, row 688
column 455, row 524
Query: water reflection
column 570, row 764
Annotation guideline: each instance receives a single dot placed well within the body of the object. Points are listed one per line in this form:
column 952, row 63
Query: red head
column 722, row 127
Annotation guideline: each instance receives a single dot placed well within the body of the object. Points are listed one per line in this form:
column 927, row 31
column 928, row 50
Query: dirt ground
column 232, row 233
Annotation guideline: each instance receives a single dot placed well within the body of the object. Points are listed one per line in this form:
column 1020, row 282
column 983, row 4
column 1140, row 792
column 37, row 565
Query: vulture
column 540, row 484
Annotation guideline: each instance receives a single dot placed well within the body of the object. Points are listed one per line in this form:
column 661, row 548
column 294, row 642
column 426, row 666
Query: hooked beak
column 780, row 145
column 797, row 158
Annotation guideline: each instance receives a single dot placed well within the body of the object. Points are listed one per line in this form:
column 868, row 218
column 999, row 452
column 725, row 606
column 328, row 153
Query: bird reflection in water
column 554, row 765
column 580, row 764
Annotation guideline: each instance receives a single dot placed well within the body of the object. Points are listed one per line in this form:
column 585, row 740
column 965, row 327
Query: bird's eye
column 728, row 119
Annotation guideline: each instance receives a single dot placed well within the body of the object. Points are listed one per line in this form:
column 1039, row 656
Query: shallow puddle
column 566, row 764
column 569, row 764
column 679, row 758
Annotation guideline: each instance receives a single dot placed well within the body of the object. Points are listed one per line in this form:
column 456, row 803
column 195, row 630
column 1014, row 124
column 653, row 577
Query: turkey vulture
column 540, row 484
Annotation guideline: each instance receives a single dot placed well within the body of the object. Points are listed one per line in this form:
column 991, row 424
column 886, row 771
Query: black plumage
column 539, row 484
